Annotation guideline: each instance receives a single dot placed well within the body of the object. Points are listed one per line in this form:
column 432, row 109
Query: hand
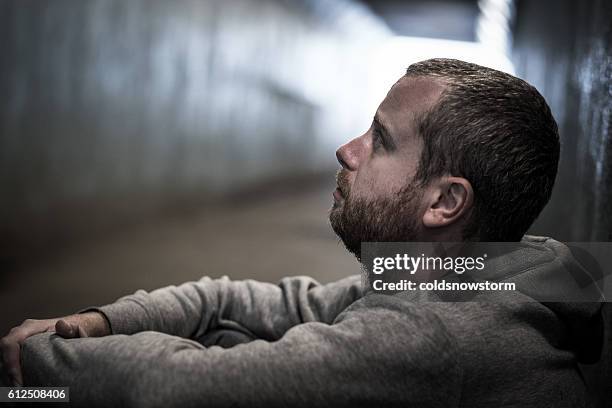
column 90, row 324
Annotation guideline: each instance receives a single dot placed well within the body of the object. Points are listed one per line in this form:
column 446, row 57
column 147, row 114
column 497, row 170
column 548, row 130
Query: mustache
column 343, row 183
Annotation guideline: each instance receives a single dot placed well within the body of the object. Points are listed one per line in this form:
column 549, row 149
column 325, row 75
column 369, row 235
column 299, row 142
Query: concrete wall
column 564, row 47
column 114, row 109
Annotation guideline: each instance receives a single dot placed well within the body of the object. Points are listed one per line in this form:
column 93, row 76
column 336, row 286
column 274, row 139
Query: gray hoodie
column 222, row 343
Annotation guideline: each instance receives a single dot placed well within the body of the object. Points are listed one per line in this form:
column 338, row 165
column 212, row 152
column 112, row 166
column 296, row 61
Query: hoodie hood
column 565, row 279
column 573, row 273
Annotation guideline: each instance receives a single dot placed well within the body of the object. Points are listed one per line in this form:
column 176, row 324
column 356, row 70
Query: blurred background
column 146, row 142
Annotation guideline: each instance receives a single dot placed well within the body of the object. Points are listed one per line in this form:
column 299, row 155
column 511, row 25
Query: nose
column 348, row 155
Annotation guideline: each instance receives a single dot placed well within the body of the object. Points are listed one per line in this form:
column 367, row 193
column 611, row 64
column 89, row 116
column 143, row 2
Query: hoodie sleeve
column 373, row 355
column 256, row 309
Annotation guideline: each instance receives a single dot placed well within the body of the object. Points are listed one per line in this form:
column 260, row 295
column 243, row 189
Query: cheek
column 382, row 178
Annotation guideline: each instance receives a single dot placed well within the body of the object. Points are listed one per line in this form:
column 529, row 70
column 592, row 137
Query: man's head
column 456, row 152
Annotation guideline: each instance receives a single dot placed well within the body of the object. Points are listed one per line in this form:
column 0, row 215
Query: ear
column 448, row 199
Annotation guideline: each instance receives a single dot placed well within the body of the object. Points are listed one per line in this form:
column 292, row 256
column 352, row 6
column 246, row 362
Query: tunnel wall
column 114, row 109
column 564, row 48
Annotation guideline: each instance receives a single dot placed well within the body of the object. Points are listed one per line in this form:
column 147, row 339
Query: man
column 456, row 152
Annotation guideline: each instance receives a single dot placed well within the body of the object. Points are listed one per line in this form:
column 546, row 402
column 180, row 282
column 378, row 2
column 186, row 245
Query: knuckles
column 14, row 332
column 19, row 333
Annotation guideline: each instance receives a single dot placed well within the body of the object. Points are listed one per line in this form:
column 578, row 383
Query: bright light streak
column 389, row 60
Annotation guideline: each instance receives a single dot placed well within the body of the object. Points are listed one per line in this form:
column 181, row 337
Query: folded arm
column 257, row 309
column 372, row 356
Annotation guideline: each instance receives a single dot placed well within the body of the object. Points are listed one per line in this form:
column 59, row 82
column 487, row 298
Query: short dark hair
column 496, row 131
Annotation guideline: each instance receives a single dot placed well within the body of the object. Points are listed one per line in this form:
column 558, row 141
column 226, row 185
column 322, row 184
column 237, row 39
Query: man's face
column 377, row 199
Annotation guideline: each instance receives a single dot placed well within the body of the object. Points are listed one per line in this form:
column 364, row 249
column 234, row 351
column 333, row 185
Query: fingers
column 11, row 360
column 68, row 327
column 10, row 346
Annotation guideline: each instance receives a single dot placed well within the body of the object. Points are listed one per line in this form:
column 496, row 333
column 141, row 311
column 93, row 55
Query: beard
column 384, row 219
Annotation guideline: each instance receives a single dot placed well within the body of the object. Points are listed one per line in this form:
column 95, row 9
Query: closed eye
column 378, row 141
column 381, row 137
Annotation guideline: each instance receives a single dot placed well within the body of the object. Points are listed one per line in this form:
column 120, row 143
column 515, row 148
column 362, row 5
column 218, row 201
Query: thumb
column 66, row 329
column 82, row 331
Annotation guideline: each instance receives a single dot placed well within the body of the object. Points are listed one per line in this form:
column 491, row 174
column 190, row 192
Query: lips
column 341, row 185
column 338, row 194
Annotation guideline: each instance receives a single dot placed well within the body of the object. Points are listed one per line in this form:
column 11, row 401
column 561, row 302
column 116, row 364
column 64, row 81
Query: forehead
column 407, row 99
